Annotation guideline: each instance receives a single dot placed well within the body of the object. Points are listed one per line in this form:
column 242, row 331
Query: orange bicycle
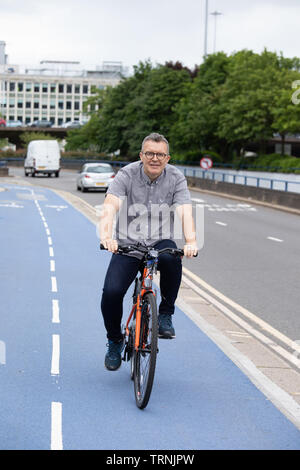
column 141, row 330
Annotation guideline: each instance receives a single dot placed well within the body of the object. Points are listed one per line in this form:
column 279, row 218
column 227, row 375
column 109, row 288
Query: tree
column 198, row 111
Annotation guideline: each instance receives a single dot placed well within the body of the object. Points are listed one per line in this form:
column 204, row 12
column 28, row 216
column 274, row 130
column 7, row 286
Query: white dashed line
column 55, row 355
column 221, row 223
column 52, row 265
column 275, row 239
column 51, row 251
column 55, row 311
column 49, row 240
column 56, row 426
column 53, row 284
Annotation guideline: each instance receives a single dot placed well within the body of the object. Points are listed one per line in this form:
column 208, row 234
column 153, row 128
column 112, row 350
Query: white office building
column 53, row 91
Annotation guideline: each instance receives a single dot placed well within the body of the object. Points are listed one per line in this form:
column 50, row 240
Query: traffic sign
column 206, row 163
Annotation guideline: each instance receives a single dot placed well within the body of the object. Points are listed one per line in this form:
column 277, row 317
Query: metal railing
column 248, row 180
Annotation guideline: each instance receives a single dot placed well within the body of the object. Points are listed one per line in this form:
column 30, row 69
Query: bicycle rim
column 145, row 357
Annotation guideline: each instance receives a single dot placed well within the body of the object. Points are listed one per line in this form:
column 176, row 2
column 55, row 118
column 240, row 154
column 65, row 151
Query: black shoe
column 113, row 357
column 165, row 326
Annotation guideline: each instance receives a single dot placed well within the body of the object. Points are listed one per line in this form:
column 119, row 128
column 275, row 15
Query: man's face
column 153, row 166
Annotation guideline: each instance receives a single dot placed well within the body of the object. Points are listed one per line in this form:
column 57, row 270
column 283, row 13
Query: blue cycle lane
column 54, row 390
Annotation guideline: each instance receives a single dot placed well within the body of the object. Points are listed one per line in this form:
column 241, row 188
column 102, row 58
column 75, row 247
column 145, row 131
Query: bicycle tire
column 145, row 357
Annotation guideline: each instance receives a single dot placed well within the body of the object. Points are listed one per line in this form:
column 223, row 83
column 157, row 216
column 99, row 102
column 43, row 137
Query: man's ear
column 141, row 154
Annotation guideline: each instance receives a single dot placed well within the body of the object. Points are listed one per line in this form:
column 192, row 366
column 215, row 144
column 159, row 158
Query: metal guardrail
column 258, row 181
column 247, row 180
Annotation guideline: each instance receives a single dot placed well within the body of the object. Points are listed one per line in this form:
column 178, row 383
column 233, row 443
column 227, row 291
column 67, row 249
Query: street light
column 205, row 29
column 215, row 14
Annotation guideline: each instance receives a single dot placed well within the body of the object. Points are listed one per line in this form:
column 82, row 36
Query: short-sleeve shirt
column 145, row 213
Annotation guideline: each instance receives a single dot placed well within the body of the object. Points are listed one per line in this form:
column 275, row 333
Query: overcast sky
column 93, row 31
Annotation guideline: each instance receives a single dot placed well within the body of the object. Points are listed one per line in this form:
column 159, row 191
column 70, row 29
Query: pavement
column 218, row 385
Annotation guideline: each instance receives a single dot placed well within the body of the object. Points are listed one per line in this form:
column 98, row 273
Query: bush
column 276, row 162
column 194, row 156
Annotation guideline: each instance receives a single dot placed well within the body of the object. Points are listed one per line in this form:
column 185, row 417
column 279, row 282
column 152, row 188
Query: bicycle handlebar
column 145, row 250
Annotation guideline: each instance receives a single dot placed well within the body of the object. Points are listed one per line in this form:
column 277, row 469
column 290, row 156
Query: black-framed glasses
column 151, row 155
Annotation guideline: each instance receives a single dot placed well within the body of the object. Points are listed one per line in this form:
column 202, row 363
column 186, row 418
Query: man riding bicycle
column 141, row 188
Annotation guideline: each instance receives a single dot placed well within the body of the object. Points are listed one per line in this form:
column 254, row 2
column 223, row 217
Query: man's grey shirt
column 145, row 212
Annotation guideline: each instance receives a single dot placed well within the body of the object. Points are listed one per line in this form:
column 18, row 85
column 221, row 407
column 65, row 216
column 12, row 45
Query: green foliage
column 27, row 137
column 225, row 103
column 274, row 162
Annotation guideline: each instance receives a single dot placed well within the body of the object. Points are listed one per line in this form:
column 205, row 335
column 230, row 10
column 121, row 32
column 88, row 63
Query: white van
column 43, row 156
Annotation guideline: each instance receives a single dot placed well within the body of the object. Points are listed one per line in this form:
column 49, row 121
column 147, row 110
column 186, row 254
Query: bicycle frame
column 147, row 276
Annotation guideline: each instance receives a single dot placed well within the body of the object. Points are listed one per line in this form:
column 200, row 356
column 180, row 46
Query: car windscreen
column 98, row 169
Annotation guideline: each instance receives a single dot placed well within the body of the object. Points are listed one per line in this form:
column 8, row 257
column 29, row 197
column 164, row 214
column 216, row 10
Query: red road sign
column 206, row 163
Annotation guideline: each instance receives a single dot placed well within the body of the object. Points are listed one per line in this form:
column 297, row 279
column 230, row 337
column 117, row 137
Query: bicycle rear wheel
column 145, row 357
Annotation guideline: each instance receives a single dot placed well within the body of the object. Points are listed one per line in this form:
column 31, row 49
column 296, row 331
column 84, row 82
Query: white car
column 95, row 176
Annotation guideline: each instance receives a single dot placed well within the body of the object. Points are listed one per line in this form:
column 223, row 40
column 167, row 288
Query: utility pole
column 215, row 14
column 205, row 29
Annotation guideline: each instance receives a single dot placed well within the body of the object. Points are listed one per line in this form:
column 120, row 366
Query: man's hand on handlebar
column 110, row 245
column 190, row 249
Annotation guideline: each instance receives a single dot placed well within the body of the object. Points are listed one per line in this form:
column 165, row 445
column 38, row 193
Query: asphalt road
column 55, row 392
column 251, row 253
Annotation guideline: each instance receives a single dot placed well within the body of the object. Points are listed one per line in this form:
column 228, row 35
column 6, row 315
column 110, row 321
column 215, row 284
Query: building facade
column 55, row 91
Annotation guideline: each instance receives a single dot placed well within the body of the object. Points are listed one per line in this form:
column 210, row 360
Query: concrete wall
column 274, row 197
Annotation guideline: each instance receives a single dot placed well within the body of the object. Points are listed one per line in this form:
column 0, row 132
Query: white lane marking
column 58, row 208
column 55, row 355
column 52, row 265
column 56, row 426
column 53, row 284
column 50, row 240
column 194, row 199
column 45, row 225
column 275, row 239
column 221, row 223
column 51, row 251
column 247, row 327
column 55, row 311
column 48, row 231
column 281, row 399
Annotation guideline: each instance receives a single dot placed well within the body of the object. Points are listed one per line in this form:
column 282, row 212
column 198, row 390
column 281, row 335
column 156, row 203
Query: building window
column 69, row 105
column 61, row 88
column 53, row 87
column 85, row 89
column 36, row 104
column 20, row 104
column 45, row 88
column 69, row 88
column 11, row 102
column 60, row 104
column 52, row 104
column 76, row 105
column 12, row 86
column 36, row 87
column 76, row 89
column 28, row 86
column 20, row 86
column 28, row 104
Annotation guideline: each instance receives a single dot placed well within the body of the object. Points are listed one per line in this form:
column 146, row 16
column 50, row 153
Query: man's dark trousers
column 121, row 273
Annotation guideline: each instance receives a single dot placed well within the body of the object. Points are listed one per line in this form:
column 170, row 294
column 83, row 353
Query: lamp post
column 215, row 14
column 205, row 29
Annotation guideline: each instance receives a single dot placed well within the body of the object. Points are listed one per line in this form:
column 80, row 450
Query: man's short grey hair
column 156, row 138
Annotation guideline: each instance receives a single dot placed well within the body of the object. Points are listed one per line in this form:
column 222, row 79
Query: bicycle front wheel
column 145, row 357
